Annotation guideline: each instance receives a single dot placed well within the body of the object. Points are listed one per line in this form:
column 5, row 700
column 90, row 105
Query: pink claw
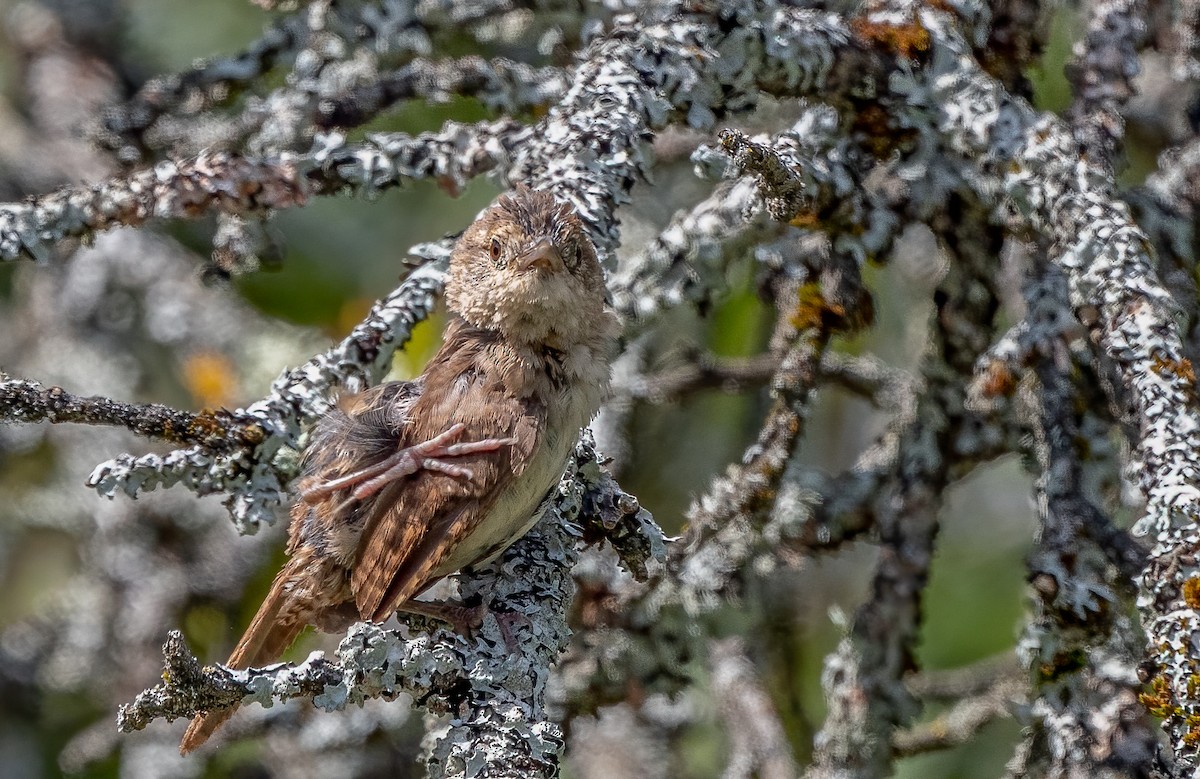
column 428, row 455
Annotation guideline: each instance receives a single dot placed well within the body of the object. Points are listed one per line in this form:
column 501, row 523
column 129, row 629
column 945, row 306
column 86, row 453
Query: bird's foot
column 506, row 621
column 431, row 455
column 467, row 620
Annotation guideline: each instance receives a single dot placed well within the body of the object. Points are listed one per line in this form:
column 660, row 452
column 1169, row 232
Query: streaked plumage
column 523, row 366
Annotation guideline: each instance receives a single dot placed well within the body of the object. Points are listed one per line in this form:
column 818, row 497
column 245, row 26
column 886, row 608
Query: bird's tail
column 279, row 620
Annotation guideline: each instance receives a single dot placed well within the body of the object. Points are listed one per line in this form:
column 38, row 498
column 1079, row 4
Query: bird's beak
column 543, row 255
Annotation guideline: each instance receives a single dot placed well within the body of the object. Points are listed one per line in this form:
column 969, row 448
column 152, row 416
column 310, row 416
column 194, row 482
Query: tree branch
column 758, row 744
column 219, row 431
column 962, row 722
column 231, row 183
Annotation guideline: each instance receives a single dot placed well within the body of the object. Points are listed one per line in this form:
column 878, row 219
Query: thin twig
column 963, row 721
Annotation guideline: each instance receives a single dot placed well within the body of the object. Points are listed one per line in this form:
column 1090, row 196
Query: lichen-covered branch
column 232, row 183
column 962, row 722
column 1080, row 712
column 27, row 401
column 1110, row 271
column 1166, row 208
column 318, row 44
column 638, row 78
column 1102, row 74
column 498, row 84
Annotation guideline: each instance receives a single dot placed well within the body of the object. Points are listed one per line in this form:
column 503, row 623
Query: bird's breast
column 514, row 512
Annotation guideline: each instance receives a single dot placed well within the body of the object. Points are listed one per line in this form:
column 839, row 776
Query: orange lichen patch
column 254, row 434
column 941, row 5
column 1191, row 593
column 814, row 311
column 210, row 378
column 1157, row 699
column 206, row 424
column 210, row 424
column 874, row 124
column 997, row 380
column 811, row 309
column 1192, row 737
column 1181, row 368
column 805, row 219
column 908, row 40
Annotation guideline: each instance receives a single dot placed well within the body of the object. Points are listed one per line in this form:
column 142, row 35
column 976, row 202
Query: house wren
column 411, row 481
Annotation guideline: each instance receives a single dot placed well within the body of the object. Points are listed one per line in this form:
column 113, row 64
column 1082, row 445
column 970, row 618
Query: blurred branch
column 947, row 684
column 1102, row 74
column 706, row 371
column 1184, row 46
column 963, row 721
column 311, row 40
column 498, row 84
column 758, row 744
column 204, row 83
column 863, row 376
column 866, row 377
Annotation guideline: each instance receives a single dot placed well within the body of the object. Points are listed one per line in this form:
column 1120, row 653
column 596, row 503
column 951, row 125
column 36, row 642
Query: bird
column 411, row 481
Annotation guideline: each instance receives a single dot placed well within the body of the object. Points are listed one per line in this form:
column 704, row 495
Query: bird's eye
column 495, row 250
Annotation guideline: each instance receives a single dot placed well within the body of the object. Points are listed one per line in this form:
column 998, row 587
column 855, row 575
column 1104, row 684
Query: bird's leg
column 429, row 455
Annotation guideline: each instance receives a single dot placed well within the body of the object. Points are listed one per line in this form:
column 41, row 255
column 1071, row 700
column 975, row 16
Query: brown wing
column 416, row 523
column 364, row 429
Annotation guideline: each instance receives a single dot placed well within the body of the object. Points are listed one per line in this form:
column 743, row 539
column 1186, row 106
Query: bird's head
column 527, row 269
